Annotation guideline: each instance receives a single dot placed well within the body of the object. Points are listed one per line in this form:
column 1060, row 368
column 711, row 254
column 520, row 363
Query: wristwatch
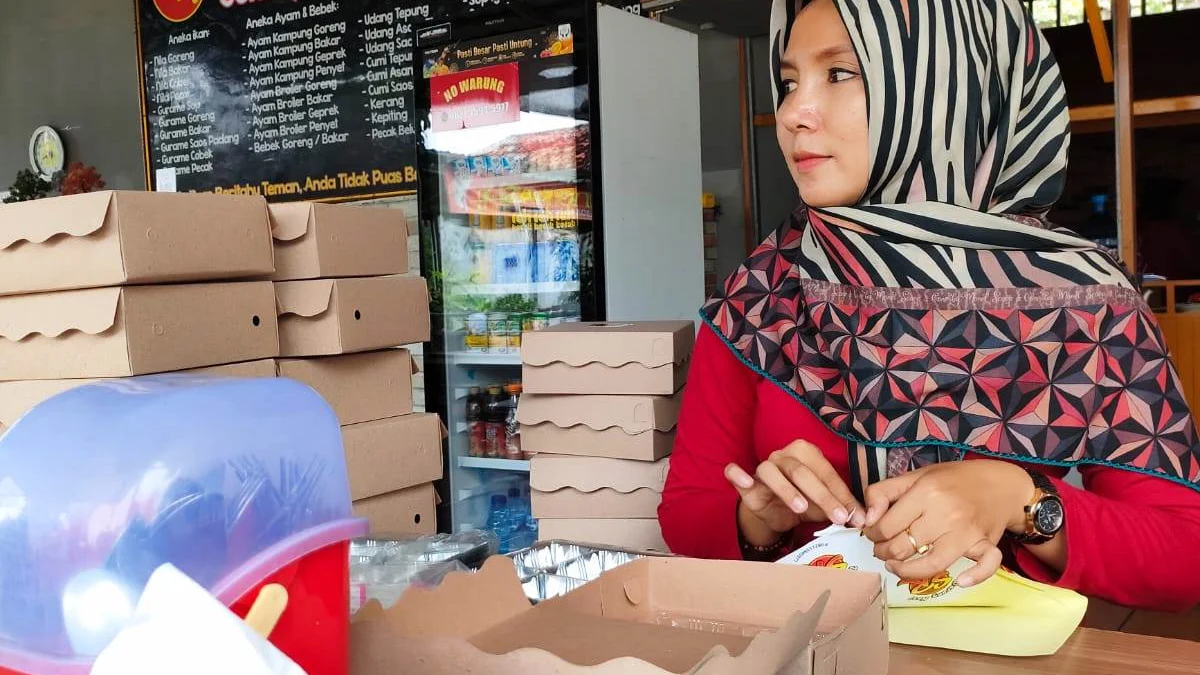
column 1044, row 514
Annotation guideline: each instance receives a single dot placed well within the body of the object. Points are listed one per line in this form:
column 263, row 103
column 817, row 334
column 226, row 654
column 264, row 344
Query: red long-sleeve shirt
column 1132, row 539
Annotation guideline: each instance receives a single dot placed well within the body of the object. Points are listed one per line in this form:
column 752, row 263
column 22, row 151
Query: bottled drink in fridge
column 512, row 428
column 518, row 514
column 496, row 421
column 476, row 427
column 500, row 522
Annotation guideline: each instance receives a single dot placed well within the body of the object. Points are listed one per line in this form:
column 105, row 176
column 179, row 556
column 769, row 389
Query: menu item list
column 286, row 100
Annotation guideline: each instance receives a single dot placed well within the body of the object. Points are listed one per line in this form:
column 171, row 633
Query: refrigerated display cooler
column 560, row 181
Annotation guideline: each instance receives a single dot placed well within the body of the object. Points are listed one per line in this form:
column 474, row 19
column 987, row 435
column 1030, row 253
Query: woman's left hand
column 952, row 510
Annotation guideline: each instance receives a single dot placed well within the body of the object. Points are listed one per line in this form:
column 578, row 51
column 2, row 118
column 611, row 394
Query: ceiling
column 742, row 18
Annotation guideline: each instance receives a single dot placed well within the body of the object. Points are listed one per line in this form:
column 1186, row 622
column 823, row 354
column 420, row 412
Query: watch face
column 1049, row 517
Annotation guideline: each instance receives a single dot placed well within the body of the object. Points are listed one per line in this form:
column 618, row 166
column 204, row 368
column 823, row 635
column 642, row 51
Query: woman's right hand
column 795, row 485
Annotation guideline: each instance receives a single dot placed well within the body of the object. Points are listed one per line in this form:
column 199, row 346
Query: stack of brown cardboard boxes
column 115, row 284
column 345, row 303
column 599, row 411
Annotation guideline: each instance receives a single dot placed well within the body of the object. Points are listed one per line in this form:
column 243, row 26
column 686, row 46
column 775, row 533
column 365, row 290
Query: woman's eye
column 841, row 75
column 789, row 86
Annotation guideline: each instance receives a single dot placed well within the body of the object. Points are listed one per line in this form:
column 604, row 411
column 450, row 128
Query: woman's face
column 822, row 122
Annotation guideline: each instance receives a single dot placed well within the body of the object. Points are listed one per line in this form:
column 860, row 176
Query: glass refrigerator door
column 507, row 214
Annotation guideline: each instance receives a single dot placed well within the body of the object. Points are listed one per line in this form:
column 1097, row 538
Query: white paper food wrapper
column 848, row 548
column 179, row 628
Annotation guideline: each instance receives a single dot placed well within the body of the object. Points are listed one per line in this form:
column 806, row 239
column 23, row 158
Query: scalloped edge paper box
column 595, row 487
column 135, row 330
column 324, row 317
column 651, row 617
column 620, row 427
column 314, row 241
column 625, row 357
column 117, row 238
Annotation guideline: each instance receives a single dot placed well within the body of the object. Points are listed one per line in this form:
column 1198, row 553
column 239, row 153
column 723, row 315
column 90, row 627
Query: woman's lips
column 805, row 163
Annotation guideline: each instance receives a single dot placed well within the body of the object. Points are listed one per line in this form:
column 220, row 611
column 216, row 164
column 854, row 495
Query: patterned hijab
column 942, row 315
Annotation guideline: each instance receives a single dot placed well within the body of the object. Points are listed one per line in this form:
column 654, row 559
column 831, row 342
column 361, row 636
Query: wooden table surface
column 1088, row 652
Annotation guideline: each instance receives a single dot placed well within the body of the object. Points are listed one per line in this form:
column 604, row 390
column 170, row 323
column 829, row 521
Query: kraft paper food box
column 324, row 317
column 135, row 330
column 621, row 427
column 392, row 454
column 595, row 487
column 118, row 238
column 651, row 617
column 411, row 511
column 359, row 387
column 19, row 397
column 649, row 357
column 314, row 241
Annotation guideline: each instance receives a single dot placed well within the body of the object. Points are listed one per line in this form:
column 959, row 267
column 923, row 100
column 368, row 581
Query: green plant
column 27, row 187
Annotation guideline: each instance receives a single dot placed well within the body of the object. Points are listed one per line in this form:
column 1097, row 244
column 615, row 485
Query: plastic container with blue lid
column 228, row 479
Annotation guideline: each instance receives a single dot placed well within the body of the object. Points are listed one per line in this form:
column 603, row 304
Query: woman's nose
column 799, row 112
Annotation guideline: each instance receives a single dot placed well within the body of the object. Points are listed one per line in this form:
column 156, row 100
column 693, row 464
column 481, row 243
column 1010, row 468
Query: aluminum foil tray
column 382, row 569
column 553, row 568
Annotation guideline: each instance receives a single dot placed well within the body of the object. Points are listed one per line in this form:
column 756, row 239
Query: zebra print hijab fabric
column 942, row 315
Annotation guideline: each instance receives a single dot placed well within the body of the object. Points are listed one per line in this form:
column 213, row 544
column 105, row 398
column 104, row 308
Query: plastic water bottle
column 500, row 522
column 518, row 510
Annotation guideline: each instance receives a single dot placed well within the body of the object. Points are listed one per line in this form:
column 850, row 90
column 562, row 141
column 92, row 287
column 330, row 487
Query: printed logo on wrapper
column 177, row 11
column 844, row 548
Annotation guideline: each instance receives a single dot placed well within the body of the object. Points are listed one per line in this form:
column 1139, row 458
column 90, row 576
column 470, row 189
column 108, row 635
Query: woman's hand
column 795, row 485
column 958, row 509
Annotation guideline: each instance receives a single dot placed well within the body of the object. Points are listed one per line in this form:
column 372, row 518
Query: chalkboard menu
column 285, row 99
column 288, row 99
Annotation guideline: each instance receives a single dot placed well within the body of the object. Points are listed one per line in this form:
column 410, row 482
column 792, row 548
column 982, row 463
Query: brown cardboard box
column 622, row 427
column 121, row 238
column 637, row 534
column 135, row 330
column 388, row 455
column 403, row 512
column 607, row 358
column 324, row 317
column 19, row 397
column 314, row 241
column 650, row 617
column 595, row 487
column 359, row 387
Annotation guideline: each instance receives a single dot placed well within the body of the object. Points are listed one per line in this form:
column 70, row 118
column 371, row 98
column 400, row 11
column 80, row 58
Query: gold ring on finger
column 921, row 549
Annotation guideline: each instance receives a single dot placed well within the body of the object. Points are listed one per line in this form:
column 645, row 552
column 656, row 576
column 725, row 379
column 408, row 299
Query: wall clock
column 46, row 153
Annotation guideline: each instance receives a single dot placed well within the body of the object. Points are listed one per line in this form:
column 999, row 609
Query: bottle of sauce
column 512, row 428
column 476, row 427
column 495, row 418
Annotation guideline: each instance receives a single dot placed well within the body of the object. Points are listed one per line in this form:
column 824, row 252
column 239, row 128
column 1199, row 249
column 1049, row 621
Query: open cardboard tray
column 653, row 616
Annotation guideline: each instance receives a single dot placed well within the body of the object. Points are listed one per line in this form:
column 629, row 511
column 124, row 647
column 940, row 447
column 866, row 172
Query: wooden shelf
column 1155, row 112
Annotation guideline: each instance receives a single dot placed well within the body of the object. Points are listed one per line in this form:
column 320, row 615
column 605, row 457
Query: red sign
column 177, row 10
column 476, row 98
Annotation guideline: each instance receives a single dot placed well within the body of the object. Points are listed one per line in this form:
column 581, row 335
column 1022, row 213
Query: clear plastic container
column 231, row 480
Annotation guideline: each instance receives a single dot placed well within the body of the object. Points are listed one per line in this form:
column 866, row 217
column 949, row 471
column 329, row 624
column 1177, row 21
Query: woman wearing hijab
column 919, row 310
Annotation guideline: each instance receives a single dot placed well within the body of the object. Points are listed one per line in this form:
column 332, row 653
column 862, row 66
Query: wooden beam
column 749, row 231
column 1099, row 38
column 1154, row 112
column 1153, row 106
column 1123, row 122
